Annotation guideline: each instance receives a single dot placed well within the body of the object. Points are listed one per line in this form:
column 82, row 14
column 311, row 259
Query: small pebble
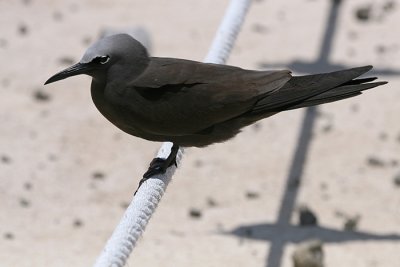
column 374, row 161
column 389, row 6
column 77, row 223
column 259, row 28
column 22, row 29
column 8, row 236
column 351, row 223
column 41, row 96
column 327, row 128
column 308, row 254
column 307, row 217
column 98, row 175
column 195, row 213
column 5, row 159
column 24, row 202
column 124, row 205
column 211, row 202
column 252, row 195
column 27, row 186
column 396, row 180
column 363, row 13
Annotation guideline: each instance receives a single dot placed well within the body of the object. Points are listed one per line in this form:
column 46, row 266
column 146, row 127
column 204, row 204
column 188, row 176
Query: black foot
column 159, row 165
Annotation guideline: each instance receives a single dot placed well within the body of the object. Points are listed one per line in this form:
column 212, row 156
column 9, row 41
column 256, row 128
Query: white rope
column 227, row 32
column 144, row 203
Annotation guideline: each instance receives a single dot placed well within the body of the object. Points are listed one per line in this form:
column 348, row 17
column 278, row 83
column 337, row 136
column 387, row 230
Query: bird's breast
column 112, row 107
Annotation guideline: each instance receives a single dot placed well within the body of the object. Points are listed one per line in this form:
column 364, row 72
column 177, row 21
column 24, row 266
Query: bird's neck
column 127, row 70
column 108, row 90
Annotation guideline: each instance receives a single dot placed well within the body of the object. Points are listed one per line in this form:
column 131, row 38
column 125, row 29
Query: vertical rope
column 228, row 31
column 133, row 223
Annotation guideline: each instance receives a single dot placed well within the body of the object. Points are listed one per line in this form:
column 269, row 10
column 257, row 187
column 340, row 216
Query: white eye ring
column 104, row 59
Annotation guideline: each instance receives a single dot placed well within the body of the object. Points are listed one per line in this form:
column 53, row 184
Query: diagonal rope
column 137, row 215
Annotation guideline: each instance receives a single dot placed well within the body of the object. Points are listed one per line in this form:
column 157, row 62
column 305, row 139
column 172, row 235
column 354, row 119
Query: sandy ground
column 66, row 174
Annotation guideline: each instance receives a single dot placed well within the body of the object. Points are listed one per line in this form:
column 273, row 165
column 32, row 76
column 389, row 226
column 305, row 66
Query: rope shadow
column 280, row 233
column 298, row 234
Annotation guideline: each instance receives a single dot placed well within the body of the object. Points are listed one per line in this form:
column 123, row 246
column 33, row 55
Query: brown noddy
column 196, row 104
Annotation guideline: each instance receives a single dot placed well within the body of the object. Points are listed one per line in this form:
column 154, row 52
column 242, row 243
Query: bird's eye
column 101, row 59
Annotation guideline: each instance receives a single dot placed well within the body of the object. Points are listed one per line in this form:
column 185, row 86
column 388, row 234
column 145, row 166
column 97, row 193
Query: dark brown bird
column 191, row 103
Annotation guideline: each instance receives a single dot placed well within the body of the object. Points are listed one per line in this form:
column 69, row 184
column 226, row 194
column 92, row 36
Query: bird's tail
column 311, row 90
column 346, row 90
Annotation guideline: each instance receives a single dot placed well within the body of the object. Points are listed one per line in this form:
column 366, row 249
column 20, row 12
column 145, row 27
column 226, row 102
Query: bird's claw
column 157, row 166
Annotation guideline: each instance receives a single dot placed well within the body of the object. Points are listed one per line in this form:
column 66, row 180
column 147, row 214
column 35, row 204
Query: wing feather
column 197, row 95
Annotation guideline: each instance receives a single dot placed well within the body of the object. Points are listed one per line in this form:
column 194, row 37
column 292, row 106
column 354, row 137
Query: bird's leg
column 160, row 165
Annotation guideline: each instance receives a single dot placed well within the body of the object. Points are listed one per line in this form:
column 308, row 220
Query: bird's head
column 103, row 54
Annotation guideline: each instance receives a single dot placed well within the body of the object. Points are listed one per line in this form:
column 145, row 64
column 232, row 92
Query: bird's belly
column 159, row 129
column 156, row 120
column 161, row 120
column 134, row 129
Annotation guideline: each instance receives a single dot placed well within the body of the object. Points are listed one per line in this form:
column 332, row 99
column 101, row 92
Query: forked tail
column 311, row 90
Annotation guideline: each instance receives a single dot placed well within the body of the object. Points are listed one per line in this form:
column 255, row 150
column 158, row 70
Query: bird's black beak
column 79, row 68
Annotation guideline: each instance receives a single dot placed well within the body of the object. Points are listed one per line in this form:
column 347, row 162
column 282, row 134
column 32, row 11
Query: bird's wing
column 172, row 71
column 194, row 96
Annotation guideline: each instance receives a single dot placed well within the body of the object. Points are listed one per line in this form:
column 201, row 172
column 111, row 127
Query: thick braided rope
column 228, row 31
column 133, row 223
